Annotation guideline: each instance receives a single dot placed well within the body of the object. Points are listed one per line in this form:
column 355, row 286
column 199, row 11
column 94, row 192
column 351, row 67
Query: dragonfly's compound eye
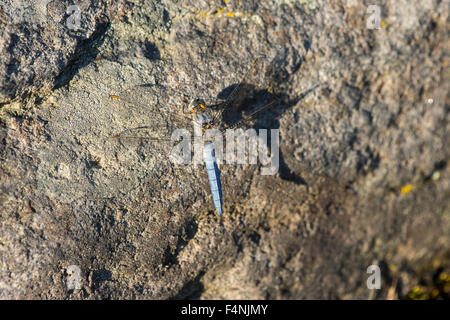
column 195, row 105
column 201, row 104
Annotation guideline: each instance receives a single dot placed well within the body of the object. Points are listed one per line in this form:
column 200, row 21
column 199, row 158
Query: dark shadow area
column 151, row 51
column 192, row 290
column 263, row 109
column 85, row 52
column 99, row 276
column 189, row 229
column 246, row 105
column 441, row 165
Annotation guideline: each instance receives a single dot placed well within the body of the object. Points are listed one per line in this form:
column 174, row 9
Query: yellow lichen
column 443, row 276
column 223, row 11
column 406, row 189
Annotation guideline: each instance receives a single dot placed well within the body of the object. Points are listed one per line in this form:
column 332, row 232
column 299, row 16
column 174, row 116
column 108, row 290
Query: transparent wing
column 142, row 118
column 246, row 118
column 271, row 101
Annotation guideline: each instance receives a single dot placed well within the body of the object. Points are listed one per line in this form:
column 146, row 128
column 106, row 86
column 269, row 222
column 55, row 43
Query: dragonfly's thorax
column 204, row 120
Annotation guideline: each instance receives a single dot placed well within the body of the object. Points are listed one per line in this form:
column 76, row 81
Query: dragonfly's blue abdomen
column 213, row 175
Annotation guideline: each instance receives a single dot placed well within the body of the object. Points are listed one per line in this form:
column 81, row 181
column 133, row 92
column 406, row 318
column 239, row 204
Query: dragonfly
column 245, row 101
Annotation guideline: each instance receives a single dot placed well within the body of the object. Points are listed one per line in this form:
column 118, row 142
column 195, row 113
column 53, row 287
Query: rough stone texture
column 40, row 40
column 363, row 179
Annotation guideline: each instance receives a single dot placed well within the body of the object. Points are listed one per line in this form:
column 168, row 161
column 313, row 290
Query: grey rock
column 41, row 39
column 363, row 175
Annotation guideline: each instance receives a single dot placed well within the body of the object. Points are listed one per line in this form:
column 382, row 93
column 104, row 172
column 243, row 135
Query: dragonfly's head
column 196, row 105
column 195, row 108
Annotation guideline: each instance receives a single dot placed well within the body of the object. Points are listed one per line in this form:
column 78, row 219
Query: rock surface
column 363, row 177
column 40, row 40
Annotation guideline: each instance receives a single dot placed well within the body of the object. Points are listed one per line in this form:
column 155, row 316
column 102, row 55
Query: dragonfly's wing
column 271, row 101
column 143, row 117
column 144, row 99
column 129, row 168
column 252, row 115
